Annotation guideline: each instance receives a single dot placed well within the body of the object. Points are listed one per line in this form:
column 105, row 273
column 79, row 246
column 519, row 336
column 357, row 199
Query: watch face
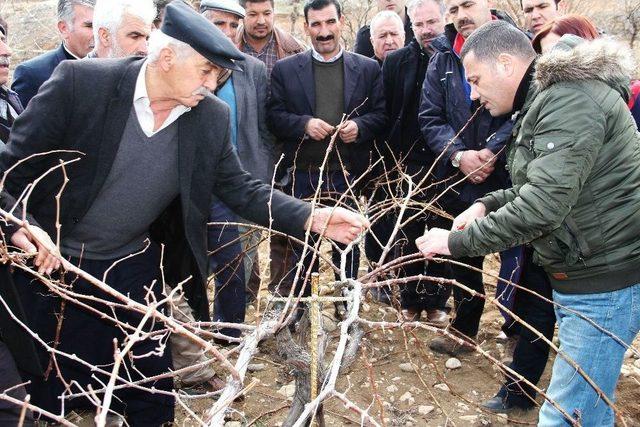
column 456, row 160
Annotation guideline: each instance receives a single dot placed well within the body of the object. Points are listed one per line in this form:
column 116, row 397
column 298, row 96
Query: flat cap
column 230, row 6
column 185, row 24
column 3, row 30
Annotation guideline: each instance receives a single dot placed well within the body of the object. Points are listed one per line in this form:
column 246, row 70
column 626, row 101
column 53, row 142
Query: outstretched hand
column 434, row 242
column 337, row 224
column 37, row 240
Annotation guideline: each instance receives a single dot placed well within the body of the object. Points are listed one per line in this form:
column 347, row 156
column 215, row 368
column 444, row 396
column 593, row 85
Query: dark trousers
column 416, row 294
column 282, row 266
column 9, row 378
column 531, row 352
column 225, row 262
column 422, row 294
column 468, row 309
column 91, row 338
column 511, row 265
column 334, row 185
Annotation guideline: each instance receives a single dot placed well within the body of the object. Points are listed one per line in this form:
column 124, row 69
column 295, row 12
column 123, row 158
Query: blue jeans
column 597, row 353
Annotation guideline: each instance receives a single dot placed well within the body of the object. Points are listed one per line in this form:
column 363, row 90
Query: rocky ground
column 402, row 381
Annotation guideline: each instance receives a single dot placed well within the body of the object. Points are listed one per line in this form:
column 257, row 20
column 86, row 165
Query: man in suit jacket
column 16, row 347
column 245, row 91
column 75, row 20
column 310, row 92
column 150, row 159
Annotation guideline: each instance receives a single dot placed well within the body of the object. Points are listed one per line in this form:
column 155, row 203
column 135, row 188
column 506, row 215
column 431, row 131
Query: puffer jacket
column 575, row 166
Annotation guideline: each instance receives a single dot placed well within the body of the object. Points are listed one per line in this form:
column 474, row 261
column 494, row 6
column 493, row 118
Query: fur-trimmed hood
column 574, row 59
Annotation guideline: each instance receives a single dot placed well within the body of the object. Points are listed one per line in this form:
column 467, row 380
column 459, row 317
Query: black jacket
column 363, row 44
column 445, row 109
column 84, row 107
column 402, row 76
column 292, row 103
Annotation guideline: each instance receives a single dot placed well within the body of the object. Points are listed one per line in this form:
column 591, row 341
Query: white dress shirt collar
column 319, row 57
column 142, row 105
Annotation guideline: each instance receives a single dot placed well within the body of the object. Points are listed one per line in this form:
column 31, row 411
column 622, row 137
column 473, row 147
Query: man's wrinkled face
column 5, row 60
column 490, row 85
column 386, row 37
column 227, row 22
column 324, row 27
column 258, row 20
column 191, row 79
column 396, row 6
column 538, row 12
column 468, row 15
column 78, row 36
column 427, row 23
column 131, row 38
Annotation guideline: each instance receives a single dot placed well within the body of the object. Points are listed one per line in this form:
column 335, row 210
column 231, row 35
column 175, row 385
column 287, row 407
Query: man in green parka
column 574, row 160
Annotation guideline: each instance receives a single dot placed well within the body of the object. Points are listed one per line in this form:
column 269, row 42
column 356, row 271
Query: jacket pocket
column 561, row 248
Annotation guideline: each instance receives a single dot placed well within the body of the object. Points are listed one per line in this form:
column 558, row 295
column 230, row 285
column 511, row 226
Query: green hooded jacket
column 574, row 161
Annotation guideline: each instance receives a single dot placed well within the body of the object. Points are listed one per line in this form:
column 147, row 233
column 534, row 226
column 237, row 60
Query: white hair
column 384, row 16
column 412, row 5
column 159, row 40
column 108, row 14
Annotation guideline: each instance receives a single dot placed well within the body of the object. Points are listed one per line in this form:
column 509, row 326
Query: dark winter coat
column 402, row 76
column 446, row 109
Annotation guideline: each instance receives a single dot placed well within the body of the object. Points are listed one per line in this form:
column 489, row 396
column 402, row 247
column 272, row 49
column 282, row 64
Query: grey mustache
column 201, row 91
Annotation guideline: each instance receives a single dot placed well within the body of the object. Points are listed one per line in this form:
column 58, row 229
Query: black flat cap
column 185, row 24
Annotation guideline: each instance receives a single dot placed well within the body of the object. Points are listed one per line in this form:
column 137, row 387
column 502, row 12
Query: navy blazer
column 29, row 76
column 292, row 102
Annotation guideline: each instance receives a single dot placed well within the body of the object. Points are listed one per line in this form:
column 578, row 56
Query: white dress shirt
column 142, row 106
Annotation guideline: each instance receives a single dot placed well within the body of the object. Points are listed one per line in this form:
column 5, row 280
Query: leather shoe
column 410, row 314
column 437, row 317
column 498, row 405
column 446, row 345
column 502, row 405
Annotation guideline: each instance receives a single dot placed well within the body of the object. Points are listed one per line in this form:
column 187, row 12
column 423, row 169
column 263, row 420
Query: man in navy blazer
column 75, row 23
column 310, row 93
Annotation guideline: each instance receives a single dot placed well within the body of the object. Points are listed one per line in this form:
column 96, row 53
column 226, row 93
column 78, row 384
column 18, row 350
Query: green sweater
column 329, row 95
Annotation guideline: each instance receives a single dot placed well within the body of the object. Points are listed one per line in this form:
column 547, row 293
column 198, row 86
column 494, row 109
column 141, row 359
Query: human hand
column 475, row 165
column 337, row 223
column 349, row 131
column 434, row 242
column 37, row 240
column 476, row 210
column 318, row 129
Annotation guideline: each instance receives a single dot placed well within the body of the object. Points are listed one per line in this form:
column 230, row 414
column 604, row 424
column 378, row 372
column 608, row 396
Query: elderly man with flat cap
column 153, row 147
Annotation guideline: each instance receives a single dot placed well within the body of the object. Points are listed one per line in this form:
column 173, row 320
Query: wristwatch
column 455, row 162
